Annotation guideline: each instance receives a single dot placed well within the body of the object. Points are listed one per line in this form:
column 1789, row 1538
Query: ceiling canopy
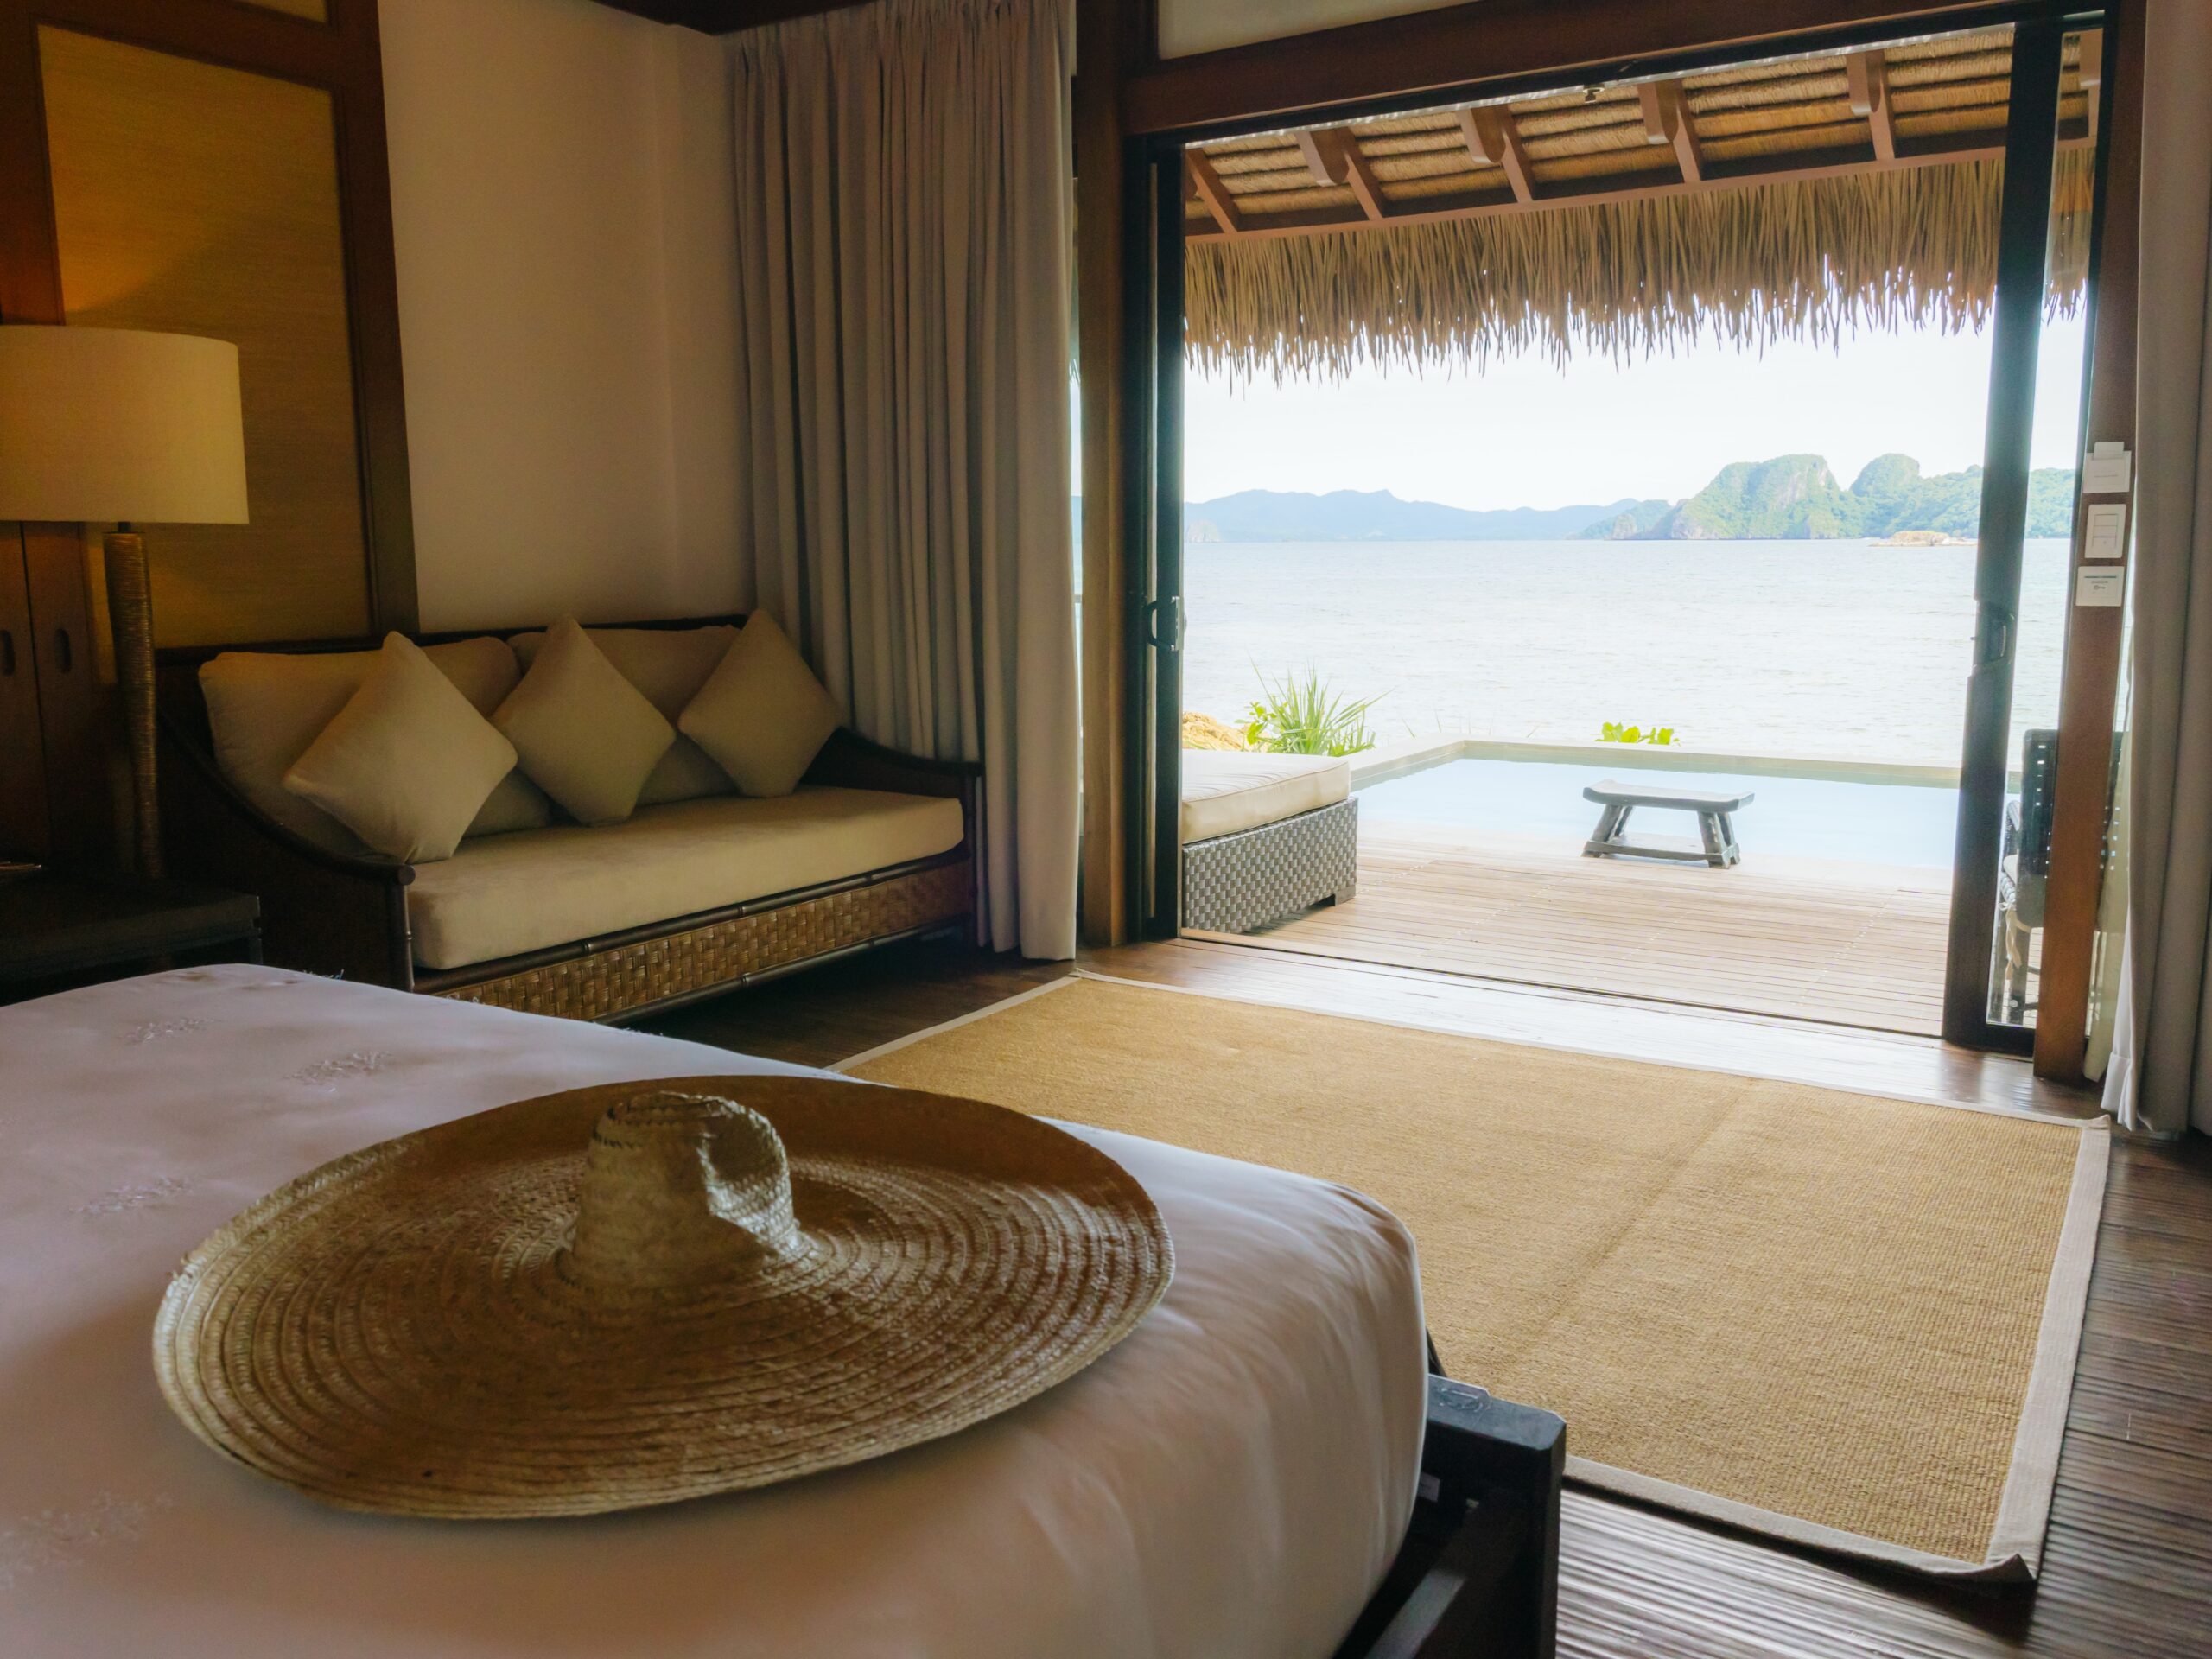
column 1799, row 197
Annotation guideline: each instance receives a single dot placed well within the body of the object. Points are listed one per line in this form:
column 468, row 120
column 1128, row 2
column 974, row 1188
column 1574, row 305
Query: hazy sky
column 1526, row 433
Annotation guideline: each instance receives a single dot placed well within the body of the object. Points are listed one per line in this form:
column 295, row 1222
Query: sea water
column 1829, row 650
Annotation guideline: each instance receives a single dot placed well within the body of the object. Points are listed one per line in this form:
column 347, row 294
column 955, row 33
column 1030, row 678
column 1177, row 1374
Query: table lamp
column 118, row 426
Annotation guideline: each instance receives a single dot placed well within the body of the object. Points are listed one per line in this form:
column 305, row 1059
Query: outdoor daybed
column 700, row 888
column 1265, row 836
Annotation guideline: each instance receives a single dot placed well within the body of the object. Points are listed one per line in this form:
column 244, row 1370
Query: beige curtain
column 904, row 190
column 2161, row 1075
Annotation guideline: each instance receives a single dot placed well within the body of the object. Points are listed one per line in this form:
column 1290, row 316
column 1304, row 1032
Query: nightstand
column 58, row 931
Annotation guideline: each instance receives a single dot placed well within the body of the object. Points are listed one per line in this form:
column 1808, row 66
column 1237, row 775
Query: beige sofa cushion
column 507, row 895
column 668, row 665
column 762, row 715
column 1225, row 791
column 407, row 762
column 264, row 707
column 585, row 734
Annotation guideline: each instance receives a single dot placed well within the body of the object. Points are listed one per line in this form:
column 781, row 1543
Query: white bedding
column 1231, row 1481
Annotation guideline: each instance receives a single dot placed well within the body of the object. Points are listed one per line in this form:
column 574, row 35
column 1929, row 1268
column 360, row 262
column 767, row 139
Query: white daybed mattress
column 1232, row 1481
column 1225, row 791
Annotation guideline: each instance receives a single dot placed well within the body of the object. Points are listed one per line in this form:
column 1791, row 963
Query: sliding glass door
column 2037, row 72
column 2008, row 764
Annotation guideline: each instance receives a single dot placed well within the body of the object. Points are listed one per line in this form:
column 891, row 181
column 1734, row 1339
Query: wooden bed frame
column 1477, row 1577
column 329, row 913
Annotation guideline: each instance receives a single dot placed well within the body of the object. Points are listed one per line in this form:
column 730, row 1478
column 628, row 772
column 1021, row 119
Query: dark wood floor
column 2128, row 1567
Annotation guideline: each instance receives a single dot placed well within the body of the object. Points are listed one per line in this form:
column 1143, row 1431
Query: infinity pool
column 1792, row 817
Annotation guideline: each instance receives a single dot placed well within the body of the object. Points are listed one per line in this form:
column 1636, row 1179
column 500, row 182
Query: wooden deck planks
column 1855, row 947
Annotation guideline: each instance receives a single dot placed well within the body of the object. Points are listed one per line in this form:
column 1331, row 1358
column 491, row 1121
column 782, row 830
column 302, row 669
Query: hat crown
column 679, row 1189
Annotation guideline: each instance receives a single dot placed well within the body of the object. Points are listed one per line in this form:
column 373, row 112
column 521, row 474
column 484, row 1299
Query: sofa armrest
column 322, row 912
column 848, row 761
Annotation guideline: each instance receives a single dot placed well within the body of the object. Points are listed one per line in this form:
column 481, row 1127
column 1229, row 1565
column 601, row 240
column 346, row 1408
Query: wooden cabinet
column 22, row 756
column 56, row 799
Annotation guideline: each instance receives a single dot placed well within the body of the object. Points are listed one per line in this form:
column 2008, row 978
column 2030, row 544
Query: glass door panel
column 2040, row 370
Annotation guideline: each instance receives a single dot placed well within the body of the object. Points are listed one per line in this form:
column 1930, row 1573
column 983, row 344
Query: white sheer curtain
column 2161, row 1073
column 904, row 202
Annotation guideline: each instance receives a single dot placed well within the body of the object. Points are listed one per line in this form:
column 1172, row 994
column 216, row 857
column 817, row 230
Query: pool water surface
column 1792, row 817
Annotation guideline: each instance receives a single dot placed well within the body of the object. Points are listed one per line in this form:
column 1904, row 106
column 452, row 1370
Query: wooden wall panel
column 317, row 12
column 205, row 200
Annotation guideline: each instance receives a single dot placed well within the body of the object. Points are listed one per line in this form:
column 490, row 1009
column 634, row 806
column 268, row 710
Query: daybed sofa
column 702, row 888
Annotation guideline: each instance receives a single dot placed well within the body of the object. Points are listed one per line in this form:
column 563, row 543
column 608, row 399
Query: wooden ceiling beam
column 1322, row 160
column 1333, row 157
column 1985, row 144
column 1868, row 77
column 1212, row 192
column 1667, row 121
column 1359, row 172
column 1494, row 140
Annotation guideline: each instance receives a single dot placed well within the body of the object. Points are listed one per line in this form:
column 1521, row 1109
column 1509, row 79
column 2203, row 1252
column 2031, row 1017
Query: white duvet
column 1232, row 1481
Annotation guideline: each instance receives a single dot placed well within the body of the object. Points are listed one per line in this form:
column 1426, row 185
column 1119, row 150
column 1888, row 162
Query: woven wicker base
column 1232, row 884
column 622, row 979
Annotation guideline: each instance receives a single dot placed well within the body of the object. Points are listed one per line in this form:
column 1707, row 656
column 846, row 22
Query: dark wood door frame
column 2089, row 681
column 1113, row 359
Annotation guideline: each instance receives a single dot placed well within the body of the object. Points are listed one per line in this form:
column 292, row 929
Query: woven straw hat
column 633, row 1295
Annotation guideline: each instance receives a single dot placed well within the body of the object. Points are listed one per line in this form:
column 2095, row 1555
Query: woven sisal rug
column 1841, row 1319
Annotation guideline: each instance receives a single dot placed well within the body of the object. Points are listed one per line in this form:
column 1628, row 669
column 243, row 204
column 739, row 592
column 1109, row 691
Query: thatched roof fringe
column 1804, row 259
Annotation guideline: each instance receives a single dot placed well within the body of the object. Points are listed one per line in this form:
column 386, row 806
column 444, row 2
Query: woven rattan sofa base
column 1232, row 884
column 625, row 979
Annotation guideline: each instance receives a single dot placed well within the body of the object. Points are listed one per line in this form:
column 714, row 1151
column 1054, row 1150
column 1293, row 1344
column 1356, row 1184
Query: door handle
column 1993, row 637
column 1171, row 606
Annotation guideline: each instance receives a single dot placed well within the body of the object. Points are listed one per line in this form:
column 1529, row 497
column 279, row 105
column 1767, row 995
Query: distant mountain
column 1379, row 516
column 1627, row 526
column 1797, row 498
column 1790, row 497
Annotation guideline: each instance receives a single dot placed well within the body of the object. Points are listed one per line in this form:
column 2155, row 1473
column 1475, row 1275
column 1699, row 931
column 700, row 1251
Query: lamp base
column 130, row 618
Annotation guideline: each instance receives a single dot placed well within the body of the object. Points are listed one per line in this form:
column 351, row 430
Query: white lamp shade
column 105, row 425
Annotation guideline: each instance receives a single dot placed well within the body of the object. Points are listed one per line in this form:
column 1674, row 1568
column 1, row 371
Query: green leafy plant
column 1609, row 731
column 1302, row 716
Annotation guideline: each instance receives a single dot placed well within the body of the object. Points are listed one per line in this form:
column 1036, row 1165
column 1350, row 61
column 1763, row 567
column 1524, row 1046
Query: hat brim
column 388, row 1333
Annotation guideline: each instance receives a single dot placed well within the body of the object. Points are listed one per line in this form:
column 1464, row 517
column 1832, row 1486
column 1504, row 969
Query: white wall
column 562, row 211
column 1189, row 26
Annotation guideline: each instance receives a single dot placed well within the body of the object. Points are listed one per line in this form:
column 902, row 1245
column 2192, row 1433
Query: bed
column 1265, row 836
column 1234, row 1479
